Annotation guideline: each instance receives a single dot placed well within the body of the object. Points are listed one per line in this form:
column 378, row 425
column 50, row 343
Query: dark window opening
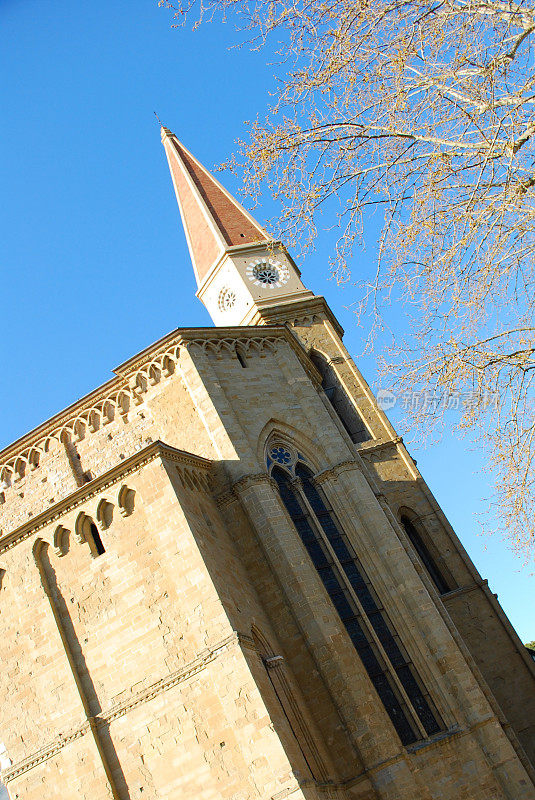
column 99, row 547
column 427, row 559
column 337, row 578
column 345, row 410
column 241, row 358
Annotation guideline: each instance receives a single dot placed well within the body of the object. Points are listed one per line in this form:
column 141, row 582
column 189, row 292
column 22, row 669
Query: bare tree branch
column 426, row 110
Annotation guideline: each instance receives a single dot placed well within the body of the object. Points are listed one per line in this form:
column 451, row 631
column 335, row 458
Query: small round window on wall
column 282, row 454
column 267, row 273
column 226, row 299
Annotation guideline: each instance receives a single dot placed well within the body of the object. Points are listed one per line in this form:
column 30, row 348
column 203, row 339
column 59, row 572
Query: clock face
column 267, row 273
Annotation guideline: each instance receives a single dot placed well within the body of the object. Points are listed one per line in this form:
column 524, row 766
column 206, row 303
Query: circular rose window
column 268, row 273
column 226, row 299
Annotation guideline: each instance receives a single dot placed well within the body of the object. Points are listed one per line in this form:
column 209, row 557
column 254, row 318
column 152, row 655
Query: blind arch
column 442, row 581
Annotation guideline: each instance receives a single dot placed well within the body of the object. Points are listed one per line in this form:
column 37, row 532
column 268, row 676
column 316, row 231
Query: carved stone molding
column 333, row 472
column 305, row 312
column 261, row 478
column 134, row 378
column 100, row 484
column 463, row 590
column 193, row 479
column 44, row 753
column 120, row 709
column 364, row 448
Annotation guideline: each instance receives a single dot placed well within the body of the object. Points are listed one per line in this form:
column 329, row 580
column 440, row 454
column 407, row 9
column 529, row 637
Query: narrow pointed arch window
column 97, row 540
column 240, row 355
column 88, row 532
column 367, row 623
column 437, row 575
column 340, row 401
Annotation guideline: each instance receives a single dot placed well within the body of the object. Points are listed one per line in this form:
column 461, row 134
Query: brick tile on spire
column 213, row 220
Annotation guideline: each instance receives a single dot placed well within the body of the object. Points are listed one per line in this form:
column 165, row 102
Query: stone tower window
column 87, row 531
column 443, row 585
column 240, row 355
column 367, row 623
column 346, row 411
column 99, row 547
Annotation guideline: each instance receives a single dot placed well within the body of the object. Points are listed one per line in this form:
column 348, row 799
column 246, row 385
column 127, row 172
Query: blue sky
column 94, row 265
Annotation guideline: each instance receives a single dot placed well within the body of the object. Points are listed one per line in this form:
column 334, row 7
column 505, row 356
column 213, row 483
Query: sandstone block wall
column 482, row 624
column 142, row 664
column 150, row 695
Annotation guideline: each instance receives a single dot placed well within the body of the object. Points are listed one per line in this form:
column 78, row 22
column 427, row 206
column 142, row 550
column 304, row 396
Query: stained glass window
column 344, row 579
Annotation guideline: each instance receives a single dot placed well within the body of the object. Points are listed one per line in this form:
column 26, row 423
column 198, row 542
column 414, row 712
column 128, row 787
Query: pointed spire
column 213, row 220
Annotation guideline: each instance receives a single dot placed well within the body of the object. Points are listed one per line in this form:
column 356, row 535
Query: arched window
column 99, row 547
column 440, row 581
column 274, row 665
column 240, row 355
column 370, row 629
column 346, row 411
column 88, row 531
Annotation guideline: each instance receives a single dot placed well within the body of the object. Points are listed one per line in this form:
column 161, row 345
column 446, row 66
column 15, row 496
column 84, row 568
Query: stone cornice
column 143, row 369
column 463, row 590
column 88, row 490
column 334, row 472
column 39, row 433
column 372, row 447
column 188, row 336
column 120, row 709
column 298, row 310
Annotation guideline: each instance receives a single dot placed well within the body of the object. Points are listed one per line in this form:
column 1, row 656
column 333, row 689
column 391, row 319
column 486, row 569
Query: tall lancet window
column 370, row 629
column 438, row 577
column 340, row 401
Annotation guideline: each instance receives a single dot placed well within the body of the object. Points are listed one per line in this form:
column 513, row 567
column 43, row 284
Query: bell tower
column 242, row 274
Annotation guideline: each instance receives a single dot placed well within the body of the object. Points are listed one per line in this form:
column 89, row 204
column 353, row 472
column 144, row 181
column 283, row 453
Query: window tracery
column 367, row 623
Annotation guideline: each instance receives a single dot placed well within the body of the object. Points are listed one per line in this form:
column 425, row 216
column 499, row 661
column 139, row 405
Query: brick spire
column 213, row 220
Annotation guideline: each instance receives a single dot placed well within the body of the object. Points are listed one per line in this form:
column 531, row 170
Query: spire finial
column 163, row 130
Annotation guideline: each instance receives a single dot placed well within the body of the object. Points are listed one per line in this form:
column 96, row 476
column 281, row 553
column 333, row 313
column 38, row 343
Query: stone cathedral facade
column 224, row 578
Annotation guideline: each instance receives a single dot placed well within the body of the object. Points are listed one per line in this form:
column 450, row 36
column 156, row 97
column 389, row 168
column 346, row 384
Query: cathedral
column 222, row 576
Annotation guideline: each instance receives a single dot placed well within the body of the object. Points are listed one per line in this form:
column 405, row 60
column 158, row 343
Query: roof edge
column 149, row 453
column 127, row 370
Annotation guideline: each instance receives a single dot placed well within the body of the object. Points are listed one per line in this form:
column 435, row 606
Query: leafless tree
column 423, row 109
